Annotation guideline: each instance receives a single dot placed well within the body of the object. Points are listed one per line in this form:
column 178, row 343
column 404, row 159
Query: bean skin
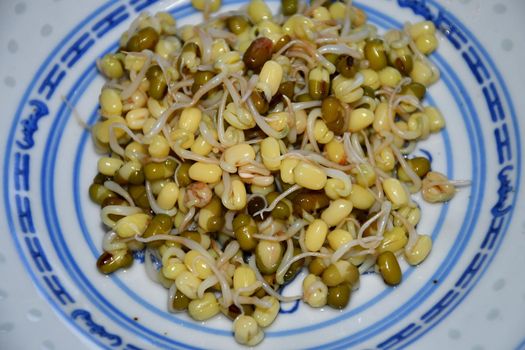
column 259, row 51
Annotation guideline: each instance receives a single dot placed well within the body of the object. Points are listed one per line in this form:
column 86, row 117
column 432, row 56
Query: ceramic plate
column 469, row 293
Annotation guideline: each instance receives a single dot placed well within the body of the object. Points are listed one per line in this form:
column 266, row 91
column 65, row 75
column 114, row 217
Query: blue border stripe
column 521, row 346
column 10, row 141
column 13, row 130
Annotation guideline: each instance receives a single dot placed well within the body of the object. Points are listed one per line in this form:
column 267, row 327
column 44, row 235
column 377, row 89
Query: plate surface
column 52, row 234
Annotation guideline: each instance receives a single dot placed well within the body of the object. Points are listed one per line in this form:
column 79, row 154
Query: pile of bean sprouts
column 243, row 150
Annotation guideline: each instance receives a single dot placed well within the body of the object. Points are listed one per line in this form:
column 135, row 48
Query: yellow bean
column 132, row 225
column 334, row 188
column 168, row 196
column 389, row 76
column 321, row 14
column 262, row 190
column 167, row 46
column 427, row 43
column 360, row 119
column 246, row 331
column 358, row 259
column 270, row 30
column 173, row 267
column 201, row 146
column 111, row 66
column 136, row 118
column 167, row 22
column 385, row 159
column 393, row 240
column 197, row 264
column 337, row 10
column 203, row 172
column 270, row 153
column 309, row 176
column 315, row 292
column 437, row 188
column 204, row 240
column 266, row 316
column 270, row 77
column 412, row 215
column 420, row 251
column 365, row 174
column 205, row 308
column 188, row 284
column 134, row 62
column 109, row 166
column 322, row 134
column 401, row 125
column 346, row 89
column 186, row 32
column 243, row 277
column 190, row 119
column 148, row 125
column 183, row 137
column 315, row 235
column 239, row 117
column 234, row 135
column 335, row 151
column 436, row 120
column 338, row 237
column 237, row 200
column 381, row 123
column 159, row 147
column 300, row 121
column 212, row 209
column 101, row 129
column 134, row 151
column 299, row 26
column 155, row 107
column 179, row 217
column 268, row 256
column 229, row 62
column 258, row 11
column 219, row 48
column 395, row 192
column 419, row 123
column 129, row 169
column 337, row 211
column 211, row 5
column 239, row 154
column 110, row 103
column 158, row 185
column 359, row 17
column 287, row 170
column 361, row 197
column 421, row 28
column 138, row 99
column 371, row 78
column 421, row 73
column 278, row 121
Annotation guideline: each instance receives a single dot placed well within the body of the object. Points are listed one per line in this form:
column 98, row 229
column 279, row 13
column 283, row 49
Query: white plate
column 469, row 294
